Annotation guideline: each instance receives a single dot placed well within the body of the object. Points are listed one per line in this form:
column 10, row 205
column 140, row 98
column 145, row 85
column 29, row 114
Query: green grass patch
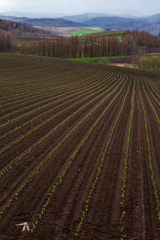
column 93, row 58
column 81, row 31
column 102, row 33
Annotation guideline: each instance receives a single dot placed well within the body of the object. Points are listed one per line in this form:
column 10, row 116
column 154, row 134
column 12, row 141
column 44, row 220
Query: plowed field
column 79, row 150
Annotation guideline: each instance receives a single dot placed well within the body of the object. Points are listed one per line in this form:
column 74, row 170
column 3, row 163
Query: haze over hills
column 32, row 14
column 148, row 23
column 101, row 21
column 95, row 19
column 78, row 17
column 88, row 16
column 43, row 21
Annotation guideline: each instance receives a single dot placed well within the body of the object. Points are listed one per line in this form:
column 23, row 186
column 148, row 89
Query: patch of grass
column 93, row 58
column 101, row 33
column 81, row 31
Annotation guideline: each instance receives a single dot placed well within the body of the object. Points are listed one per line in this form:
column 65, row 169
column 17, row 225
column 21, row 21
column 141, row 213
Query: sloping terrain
column 18, row 28
column 79, row 150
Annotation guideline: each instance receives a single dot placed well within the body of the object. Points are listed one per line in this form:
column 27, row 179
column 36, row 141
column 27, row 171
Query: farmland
column 84, row 30
column 79, row 150
column 69, row 30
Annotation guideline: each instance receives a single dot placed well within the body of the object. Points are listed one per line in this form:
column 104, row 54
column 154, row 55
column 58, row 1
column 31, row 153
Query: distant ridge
column 88, row 16
column 149, row 23
column 101, row 21
column 43, row 21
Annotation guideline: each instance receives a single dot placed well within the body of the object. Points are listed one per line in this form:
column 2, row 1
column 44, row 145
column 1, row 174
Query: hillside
column 80, row 150
column 149, row 24
column 18, row 28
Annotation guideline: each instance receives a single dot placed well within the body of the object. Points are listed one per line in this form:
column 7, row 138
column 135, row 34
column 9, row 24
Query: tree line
column 87, row 46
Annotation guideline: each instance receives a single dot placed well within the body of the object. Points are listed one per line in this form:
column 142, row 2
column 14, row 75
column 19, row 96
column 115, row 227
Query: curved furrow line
column 124, row 178
column 38, row 168
column 155, row 112
column 154, row 94
column 50, row 110
column 99, row 170
column 134, row 218
column 63, row 74
column 55, row 128
column 87, row 135
column 153, row 87
column 78, row 166
column 33, row 105
column 80, row 78
column 86, row 83
column 72, row 85
column 151, row 160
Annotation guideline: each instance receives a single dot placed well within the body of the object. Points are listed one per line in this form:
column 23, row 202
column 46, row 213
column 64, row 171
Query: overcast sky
column 144, row 7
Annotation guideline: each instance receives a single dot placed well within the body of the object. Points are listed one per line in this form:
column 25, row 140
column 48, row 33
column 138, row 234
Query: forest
column 131, row 43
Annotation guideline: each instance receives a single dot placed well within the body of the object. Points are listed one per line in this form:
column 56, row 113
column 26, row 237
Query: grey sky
column 144, row 7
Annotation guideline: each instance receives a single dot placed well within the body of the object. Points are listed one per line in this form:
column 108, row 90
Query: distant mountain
column 50, row 22
column 43, row 21
column 152, row 19
column 101, row 21
column 83, row 18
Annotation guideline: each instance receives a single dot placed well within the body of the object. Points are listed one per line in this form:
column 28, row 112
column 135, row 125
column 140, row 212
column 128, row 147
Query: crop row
column 48, row 99
column 70, row 100
column 149, row 154
column 99, row 169
column 18, row 127
column 30, row 179
column 151, row 104
column 36, row 109
column 55, row 128
column 124, row 178
column 66, row 80
column 73, row 156
column 86, row 83
column 155, row 98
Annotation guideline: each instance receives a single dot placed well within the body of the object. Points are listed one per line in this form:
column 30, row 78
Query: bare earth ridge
column 79, row 150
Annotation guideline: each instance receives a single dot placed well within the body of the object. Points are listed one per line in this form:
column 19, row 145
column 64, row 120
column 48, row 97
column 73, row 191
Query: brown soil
column 63, row 213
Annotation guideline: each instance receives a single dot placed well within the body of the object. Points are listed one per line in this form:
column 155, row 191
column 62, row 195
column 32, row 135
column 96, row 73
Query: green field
column 89, row 59
column 81, row 31
column 118, row 34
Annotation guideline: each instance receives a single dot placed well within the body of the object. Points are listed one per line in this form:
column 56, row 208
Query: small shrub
column 147, row 62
